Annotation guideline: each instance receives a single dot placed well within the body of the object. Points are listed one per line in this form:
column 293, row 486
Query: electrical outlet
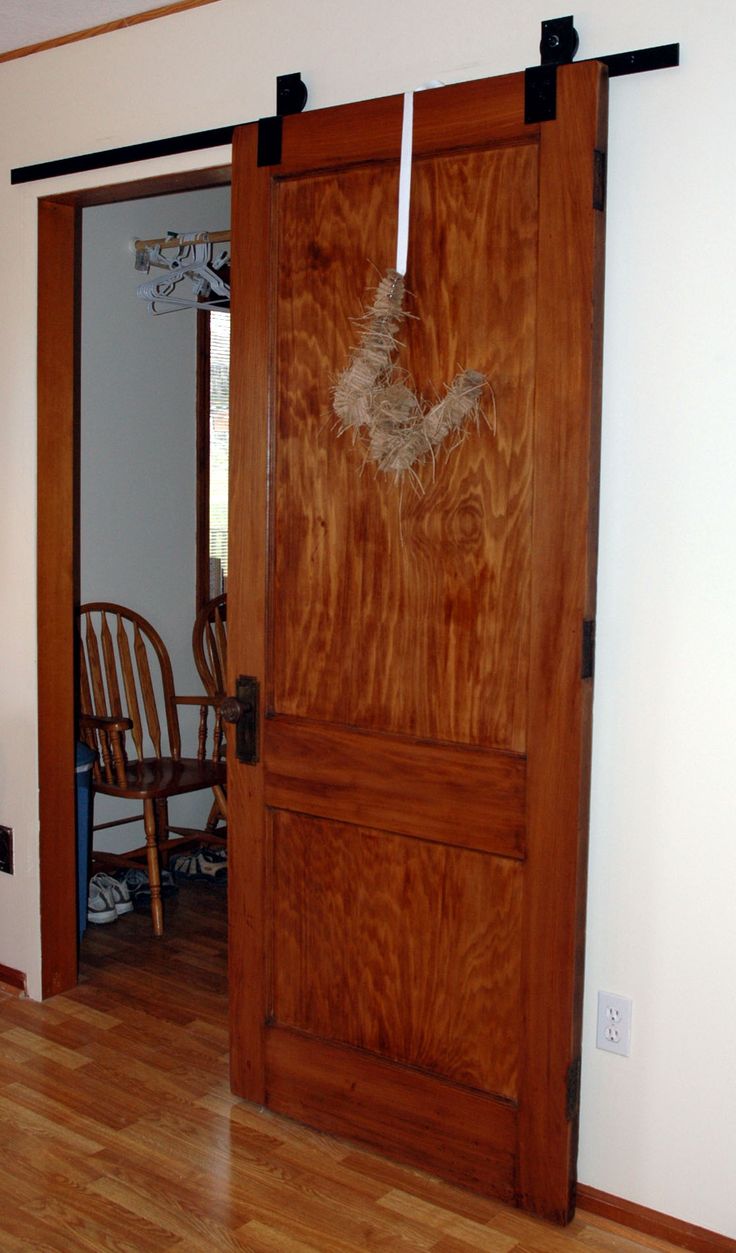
column 6, row 850
column 614, row 1023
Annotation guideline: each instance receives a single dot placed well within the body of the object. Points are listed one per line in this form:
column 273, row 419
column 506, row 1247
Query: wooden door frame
column 59, row 335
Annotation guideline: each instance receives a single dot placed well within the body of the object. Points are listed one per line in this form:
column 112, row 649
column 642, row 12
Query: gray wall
column 138, row 442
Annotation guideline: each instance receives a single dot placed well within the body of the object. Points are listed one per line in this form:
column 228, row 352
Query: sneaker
column 117, row 891
column 202, row 865
column 133, row 881
column 136, row 884
column 100, row 905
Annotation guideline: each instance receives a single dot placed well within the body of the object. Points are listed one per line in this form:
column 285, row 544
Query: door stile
column 247, row 649
column 563, row 594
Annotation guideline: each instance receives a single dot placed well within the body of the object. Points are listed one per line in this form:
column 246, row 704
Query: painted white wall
column 138, row 448
column 658, row 1128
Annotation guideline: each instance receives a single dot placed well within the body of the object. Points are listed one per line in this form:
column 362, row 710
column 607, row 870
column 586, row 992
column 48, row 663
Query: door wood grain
column 408, row 855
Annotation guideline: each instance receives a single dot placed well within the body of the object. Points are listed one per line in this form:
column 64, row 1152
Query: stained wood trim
column 58, row 403
column 58, row 545
column 652, row 1222
column 106, row 28
column 248, row 846
column 142, row 188
column 11, row 978
column 328, row 771
column 563, row 588
column 309, row 1079
column 202, row 540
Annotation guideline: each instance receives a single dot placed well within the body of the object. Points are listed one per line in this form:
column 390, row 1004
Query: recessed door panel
column 427, row 938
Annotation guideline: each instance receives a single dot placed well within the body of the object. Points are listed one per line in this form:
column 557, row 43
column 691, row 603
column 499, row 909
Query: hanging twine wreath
column 373, row 397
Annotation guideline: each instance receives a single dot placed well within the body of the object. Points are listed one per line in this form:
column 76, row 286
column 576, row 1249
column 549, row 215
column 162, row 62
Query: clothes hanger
column 194, row 263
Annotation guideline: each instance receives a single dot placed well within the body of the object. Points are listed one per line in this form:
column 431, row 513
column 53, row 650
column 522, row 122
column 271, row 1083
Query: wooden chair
column 209, row 645
column 129, row 715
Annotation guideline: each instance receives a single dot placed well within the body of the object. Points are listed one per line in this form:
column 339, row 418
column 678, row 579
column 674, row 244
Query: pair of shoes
column 107, row 899
column 201, row 865
column 136, row 883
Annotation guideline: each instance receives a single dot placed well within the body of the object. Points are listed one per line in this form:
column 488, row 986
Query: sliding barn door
column 408, row 853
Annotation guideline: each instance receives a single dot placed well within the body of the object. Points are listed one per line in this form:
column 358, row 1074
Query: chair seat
column 162, row 776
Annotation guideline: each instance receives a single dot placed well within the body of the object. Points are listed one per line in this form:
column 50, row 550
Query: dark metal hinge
column 558, row 46
column 599, row 180
column 269, row 140
column 540, row 94
column 587, row 664
column 572, row 1095
column 291, row 97
column 559, row 41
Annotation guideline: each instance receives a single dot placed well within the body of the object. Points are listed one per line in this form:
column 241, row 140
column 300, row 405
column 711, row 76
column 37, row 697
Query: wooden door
column 408, row 855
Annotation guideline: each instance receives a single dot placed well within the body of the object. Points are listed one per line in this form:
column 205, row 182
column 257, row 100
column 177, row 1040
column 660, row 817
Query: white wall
column 138, row 447
column 658, row 1128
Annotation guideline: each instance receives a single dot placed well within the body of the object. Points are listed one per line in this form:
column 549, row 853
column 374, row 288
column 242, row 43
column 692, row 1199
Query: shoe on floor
column 100, row 904
column 201, row 865
column 136, row 883
column 117, row 891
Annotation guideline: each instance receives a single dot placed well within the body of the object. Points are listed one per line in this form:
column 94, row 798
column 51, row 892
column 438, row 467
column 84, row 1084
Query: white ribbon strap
column 407, row 135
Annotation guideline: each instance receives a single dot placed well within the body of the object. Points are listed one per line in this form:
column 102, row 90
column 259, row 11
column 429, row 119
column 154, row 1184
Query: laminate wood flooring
column 119, row 1132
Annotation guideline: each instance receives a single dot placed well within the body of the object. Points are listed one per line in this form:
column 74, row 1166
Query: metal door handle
column 242, row 711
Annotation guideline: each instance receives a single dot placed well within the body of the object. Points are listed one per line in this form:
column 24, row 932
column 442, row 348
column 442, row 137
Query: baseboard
column 651, row 1223
column 12, row 980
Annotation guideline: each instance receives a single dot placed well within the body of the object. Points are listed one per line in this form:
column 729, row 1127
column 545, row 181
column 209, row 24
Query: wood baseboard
column 12, row 980
column 651, row 1223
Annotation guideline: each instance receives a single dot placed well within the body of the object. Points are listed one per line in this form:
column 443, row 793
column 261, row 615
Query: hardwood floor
column 118, row 1130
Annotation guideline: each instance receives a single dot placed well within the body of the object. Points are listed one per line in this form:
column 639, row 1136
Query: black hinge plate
column 269, row 140
column 599, row 180
column 291, row 97
column 587, row 663
column 540, row 94
column 572, row 1095
column 559, row 41
column 291, row 94
column 558, row 46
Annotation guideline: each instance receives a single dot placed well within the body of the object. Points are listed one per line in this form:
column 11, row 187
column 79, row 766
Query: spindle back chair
column 129, row 714
column 209, row 645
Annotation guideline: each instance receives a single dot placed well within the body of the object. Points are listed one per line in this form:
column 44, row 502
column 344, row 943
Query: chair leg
column 212, row 818
column 217, row 812
column 154, row 871
column 164, row 834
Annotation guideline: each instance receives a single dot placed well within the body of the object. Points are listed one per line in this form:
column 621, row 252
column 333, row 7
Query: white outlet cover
column 613, row 1032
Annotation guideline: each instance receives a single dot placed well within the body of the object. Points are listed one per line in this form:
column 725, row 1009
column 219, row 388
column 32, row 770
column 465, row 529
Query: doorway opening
column 67, row 469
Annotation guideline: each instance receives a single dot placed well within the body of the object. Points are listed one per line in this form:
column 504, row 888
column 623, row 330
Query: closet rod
column 204, row 237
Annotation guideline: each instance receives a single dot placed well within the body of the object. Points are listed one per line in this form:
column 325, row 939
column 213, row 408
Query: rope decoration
column 373, row 399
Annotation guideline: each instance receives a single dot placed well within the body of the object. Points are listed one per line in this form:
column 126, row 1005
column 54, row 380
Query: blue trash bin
column 84, row 761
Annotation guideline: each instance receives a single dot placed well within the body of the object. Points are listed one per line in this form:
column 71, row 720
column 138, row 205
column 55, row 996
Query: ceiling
column 24, row 22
